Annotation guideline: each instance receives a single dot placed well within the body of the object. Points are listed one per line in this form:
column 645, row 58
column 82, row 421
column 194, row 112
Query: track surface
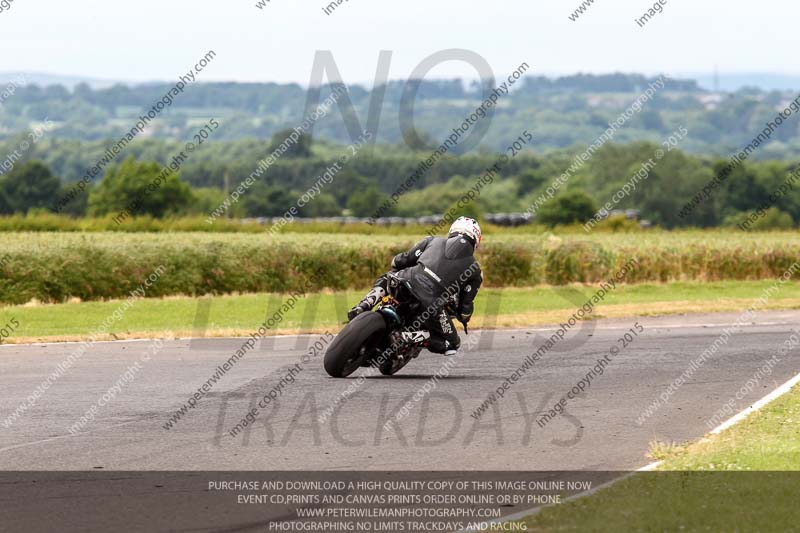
column 600, row 432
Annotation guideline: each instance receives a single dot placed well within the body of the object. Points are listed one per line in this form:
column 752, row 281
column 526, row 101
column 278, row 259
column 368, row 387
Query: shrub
column 54, row 267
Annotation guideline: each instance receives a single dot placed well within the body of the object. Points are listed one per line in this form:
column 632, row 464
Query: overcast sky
column 147, row 40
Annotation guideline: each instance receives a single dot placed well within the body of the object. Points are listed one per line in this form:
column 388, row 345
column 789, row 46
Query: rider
column 436, row 267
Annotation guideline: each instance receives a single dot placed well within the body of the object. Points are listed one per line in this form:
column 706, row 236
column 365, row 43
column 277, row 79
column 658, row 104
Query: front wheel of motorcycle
column 354, row 344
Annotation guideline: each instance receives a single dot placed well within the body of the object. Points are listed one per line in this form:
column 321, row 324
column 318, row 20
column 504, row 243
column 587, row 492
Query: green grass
column 765, row 440
column 238, row 314
column 746, row 478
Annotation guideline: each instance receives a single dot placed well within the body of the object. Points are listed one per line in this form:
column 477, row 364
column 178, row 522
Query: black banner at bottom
column 361, row 501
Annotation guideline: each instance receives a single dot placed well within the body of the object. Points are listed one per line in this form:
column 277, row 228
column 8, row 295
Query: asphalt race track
column 121, row 469
column 599, row 430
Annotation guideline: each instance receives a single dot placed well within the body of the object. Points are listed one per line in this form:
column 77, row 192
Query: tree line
column 202, row 184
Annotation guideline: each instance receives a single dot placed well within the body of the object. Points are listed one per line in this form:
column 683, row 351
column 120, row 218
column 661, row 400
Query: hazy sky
column 146, row 40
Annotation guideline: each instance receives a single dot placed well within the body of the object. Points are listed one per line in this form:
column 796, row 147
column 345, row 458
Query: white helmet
column 469, row 227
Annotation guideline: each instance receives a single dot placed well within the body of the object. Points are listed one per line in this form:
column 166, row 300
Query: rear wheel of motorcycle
column 354, row 344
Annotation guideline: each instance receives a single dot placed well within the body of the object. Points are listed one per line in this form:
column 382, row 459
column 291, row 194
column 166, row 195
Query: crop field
column 59, row 266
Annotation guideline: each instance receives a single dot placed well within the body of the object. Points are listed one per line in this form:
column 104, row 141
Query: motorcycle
column 384, row 338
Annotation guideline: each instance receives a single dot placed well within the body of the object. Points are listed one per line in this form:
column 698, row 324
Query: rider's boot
column 367, row 303
column 441, row 346
column 449, row 352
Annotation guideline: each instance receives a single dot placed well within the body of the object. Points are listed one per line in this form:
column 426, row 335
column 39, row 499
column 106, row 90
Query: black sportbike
column 384, row 338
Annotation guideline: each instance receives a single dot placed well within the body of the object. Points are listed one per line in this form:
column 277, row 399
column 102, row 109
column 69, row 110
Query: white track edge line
column 741, row 415
column 59, row 343
column 738, row 417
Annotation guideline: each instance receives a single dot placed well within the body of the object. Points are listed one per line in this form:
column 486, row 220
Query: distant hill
column 560, row 113
column 728, row 82
column 44, row 79
column 733, row 82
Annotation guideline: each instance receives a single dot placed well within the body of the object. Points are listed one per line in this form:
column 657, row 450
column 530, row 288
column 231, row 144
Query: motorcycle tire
column 354, row 344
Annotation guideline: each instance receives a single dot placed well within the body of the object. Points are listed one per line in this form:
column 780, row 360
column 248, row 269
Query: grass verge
column 746, row 478
column 238, row 315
